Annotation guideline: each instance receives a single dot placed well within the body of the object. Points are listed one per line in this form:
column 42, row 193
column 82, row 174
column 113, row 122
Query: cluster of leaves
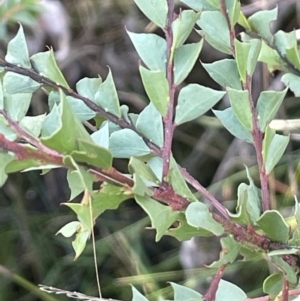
column 63, row 139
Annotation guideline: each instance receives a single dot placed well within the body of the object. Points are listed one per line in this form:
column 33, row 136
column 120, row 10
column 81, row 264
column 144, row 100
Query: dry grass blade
column 75, row 295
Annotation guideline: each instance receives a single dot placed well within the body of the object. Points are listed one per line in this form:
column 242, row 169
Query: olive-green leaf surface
column 79, row 179
column 107, row 96
column 230, row 250
column 155, row 10
column 109, row 197
column 297, row 209
column 232, row 124
column 17, row 51
column 182, row 26
column 140, row 188
column 242, row 215
column 182, row 293
column 288, row 270
column 217, row 32
column 234, row 8
column 293, row 82
column 260, row 23
column 149, row 123
column 61, row 128
column 286, row 44
column 253, row 55
column 242, row 50
column 274, row 226
column 92, row 154
column 198, row 216
column 138, row 166
column 254, row 199
column 80, row 240
column 45, row 64
column 33, row 124
column 157, row 88
column 274, row 146
column 5, row 159
column 184, row 231
column 162, row 217
column 14, row 83
column 177, row 181
column 184, row 60
column 151, row 48
column 229, row 292
column 268, row 105
column 271, row 57
column 126, row 143
column 225, row 73
column 241, row 107
column 194, row 100
column 69, row 229
column 273, row 284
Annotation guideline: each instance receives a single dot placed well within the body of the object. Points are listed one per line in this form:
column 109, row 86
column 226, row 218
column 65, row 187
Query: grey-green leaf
column 225, row 73
column 241, row 106
column 232, row 124
column 17, row 105
column 198, row 216
column 151, row 48
column 274, row 226
column 107, row 96
column 242, row 50
column 199, row 5
column 260, row 23
column 14, row 83
column 293, row 82
column 137, row 296
column 155, row 10
column 229, row 292
column 126, row 143
column 217, row 32
column 275, row 151
column 182, row 26
column 184, row 60
column 88, row 87
column 17, row 51
column 150, row 124
column 182, row 293
column 157, row 88
column 194, row 100
column 267, row 106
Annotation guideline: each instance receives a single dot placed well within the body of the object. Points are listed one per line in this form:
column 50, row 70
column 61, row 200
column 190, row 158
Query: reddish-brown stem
column 205, row 192
column 23, row 152
column 168, row 119
column 258, row 136
column 26, row 136
column 211, row 293
column 89, row 103
column 285, row 290
column 224, row 12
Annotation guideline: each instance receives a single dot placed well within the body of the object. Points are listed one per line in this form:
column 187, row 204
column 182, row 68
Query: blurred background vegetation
column 88, row 36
